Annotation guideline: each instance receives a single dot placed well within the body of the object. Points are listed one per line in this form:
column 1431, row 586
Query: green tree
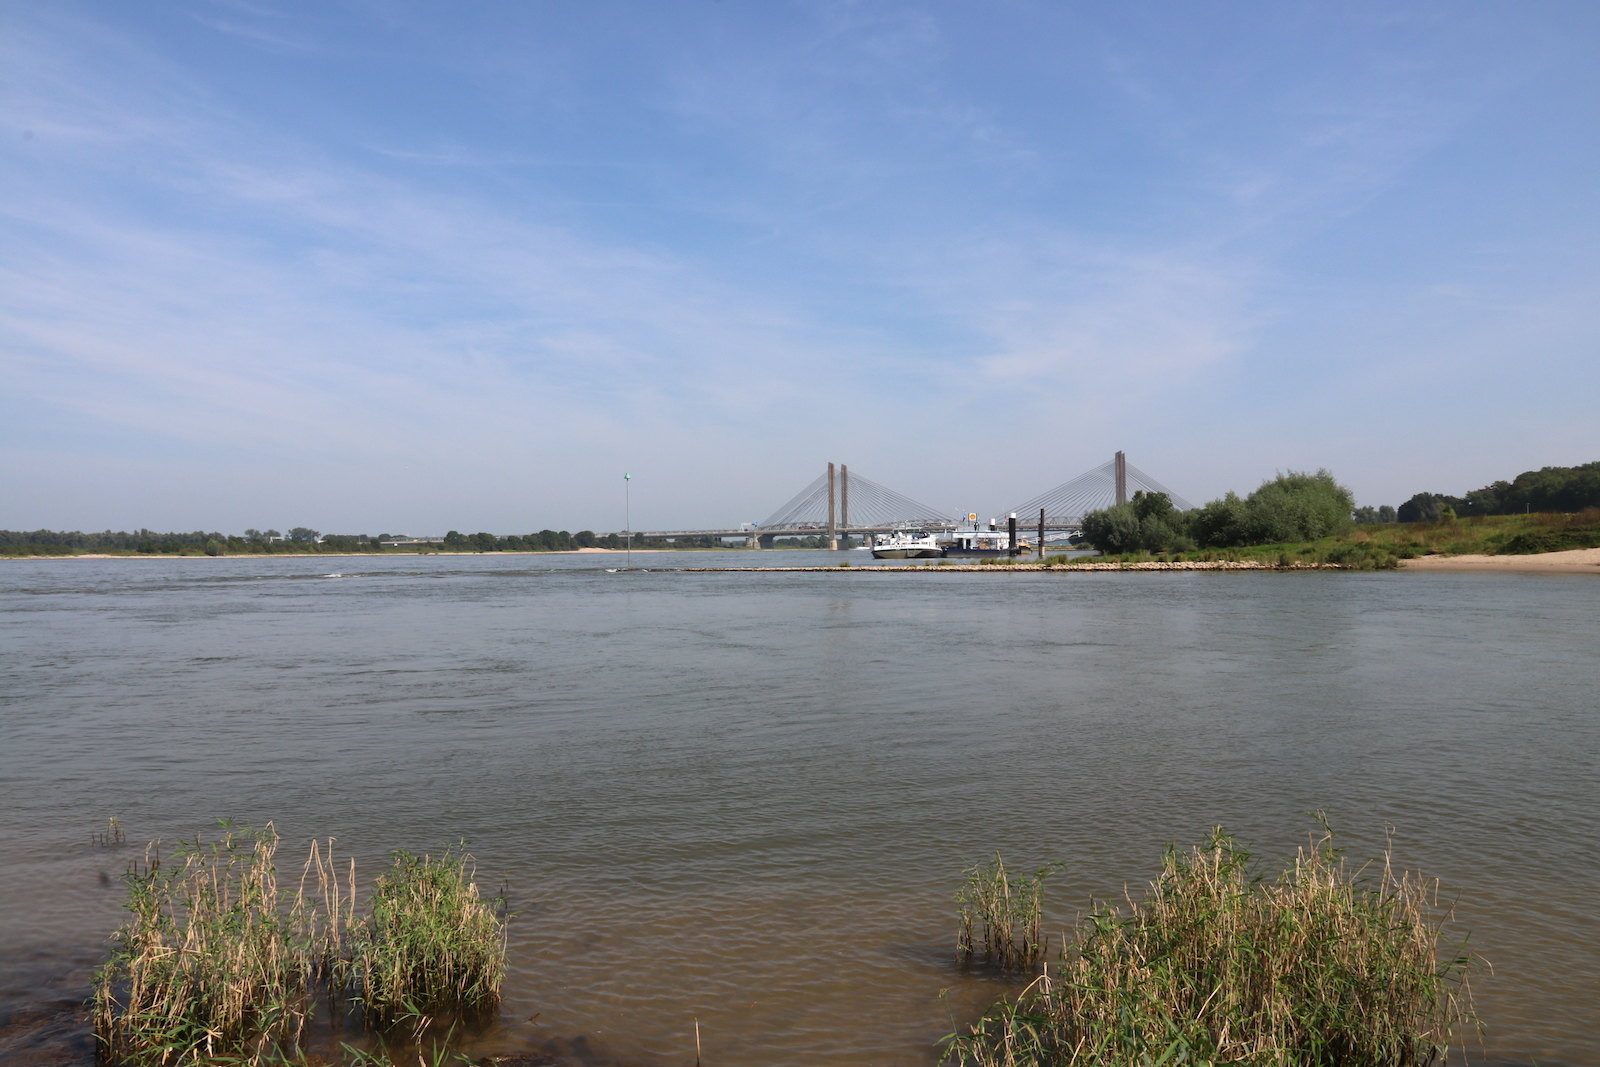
column 1147, row 523
column 1296, row 506
column 1223, row 523
column 1114, row 530
column 302, row 534
column 1425, row 507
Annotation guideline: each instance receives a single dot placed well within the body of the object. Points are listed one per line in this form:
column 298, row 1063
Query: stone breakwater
column 1036, row 568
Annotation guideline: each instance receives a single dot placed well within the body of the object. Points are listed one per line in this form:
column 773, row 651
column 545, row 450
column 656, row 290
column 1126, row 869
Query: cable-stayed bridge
column 840, row 503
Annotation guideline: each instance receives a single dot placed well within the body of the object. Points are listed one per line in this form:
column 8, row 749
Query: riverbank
column 1032, row 568
column 1575, row 561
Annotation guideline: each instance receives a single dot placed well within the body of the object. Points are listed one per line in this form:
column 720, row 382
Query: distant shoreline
column 1575, row 561
column 353, row 555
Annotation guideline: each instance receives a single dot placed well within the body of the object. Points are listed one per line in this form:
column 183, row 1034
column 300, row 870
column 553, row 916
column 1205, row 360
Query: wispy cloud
column 824, row 224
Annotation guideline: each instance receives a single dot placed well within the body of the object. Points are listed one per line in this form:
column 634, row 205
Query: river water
column 743, row 801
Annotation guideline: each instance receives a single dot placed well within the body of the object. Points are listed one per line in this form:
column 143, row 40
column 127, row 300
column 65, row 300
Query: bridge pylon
column 840, row 504
column 1108, row 484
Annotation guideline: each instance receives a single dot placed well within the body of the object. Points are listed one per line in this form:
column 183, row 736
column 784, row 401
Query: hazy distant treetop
column 1565, row 489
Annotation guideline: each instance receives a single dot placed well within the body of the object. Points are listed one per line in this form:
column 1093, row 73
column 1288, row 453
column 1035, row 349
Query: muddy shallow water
column 745, row 800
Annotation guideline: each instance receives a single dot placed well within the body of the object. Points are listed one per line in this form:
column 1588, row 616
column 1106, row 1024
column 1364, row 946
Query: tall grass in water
column 219, row 964
column 431, row 943
column 111, row 835
column 1009, row 911
column 1320, row 967
column 210, row 963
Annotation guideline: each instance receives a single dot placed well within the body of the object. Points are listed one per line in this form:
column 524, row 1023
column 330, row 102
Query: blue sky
column 392, row 265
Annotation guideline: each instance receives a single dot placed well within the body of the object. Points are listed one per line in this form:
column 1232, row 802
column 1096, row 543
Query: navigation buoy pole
column 627, row 514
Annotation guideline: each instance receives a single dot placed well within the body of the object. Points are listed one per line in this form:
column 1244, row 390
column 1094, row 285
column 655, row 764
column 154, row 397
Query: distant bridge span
column 839, row 504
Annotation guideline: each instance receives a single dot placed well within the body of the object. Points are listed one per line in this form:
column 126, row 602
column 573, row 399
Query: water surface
column 747, row 799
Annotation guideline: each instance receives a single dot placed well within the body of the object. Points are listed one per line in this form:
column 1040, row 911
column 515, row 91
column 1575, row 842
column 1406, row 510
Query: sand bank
column 1576, row 561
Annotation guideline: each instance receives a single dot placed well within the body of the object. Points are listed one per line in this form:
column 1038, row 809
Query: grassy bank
column 1217, row 964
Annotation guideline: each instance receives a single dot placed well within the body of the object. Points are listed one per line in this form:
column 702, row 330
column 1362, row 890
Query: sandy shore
column 1577, row 561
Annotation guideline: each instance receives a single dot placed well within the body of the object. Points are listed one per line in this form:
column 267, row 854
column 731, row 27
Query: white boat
column 906, row 544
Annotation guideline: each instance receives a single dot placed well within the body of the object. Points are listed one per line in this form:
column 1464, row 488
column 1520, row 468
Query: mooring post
column 1011, row 531
column 1041, row 533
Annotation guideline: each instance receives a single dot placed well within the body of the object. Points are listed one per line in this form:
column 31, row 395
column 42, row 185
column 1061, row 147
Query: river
column 743, row 801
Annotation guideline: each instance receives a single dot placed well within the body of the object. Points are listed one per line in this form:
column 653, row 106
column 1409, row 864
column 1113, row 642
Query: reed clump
column 1216, row 965
column 431, row 943
column 209, row 963
column 220, row 963
column 1009, row 910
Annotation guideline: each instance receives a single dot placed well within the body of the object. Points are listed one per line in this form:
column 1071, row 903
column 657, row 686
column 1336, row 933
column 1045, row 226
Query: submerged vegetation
column 429, row 945
column 1008, row 910
column 1217, row 964
column 221, row 963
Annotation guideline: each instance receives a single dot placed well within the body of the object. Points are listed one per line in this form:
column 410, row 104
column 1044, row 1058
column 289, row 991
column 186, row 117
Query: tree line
column 302, row 539
column 1297, row 506
column 1291, row 507
column 1562, row 489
